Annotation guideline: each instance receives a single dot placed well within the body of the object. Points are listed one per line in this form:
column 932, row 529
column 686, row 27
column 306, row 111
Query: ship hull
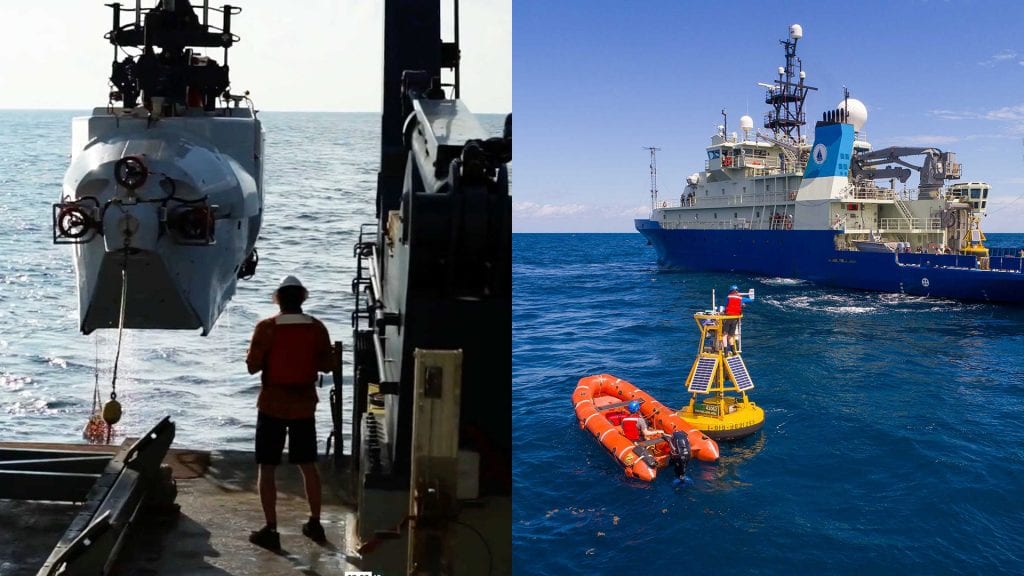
column 811, row 255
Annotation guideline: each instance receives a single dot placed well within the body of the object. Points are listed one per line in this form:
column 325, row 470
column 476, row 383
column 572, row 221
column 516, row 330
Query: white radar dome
column 858, row 112
column 693, row 179
column 746, row 123
column 796, row 32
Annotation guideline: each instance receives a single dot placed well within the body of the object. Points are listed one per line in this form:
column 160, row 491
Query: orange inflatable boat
column 643, row 440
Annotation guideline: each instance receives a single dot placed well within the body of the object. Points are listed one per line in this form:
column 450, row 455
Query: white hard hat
column 290, row 280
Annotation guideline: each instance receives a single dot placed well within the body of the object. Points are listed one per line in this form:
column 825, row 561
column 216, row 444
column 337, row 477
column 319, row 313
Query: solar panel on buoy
column 702, row 375
column 739, row 373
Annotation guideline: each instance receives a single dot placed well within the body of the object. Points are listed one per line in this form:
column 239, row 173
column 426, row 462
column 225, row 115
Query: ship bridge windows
column 713, row 154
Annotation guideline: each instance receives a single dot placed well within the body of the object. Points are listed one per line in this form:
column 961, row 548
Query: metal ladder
column 904, row 210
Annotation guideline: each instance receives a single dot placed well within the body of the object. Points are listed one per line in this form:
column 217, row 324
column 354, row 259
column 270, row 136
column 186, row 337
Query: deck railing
column 748, row 200
column 867, row 193
column 905, row 224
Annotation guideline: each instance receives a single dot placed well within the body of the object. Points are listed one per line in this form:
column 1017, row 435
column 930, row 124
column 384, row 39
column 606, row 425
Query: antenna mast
column 788, row 92
column 654, row 175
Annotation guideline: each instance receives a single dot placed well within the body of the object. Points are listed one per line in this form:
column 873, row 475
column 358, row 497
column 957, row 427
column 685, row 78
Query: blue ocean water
column 892, row 442
column 320, row 179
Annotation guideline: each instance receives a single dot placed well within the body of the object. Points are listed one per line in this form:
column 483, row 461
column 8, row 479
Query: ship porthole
column 925, row 282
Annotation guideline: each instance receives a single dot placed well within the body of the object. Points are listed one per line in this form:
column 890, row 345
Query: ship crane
column 937, row 167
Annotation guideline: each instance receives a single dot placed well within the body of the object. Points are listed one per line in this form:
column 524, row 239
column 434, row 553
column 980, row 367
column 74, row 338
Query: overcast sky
column 596, row 81
column 302, row 55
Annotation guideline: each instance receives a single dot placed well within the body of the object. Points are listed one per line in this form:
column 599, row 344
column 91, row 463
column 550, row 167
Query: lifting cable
column 95, row 429
column 112, row 409
column 100, row 425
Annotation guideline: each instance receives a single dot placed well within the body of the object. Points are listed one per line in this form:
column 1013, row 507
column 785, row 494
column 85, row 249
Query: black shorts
column 270, row 434
column 729, row 326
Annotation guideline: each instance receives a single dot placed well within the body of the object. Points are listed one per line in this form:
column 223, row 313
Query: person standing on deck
column 289, row 349
column 733, row 307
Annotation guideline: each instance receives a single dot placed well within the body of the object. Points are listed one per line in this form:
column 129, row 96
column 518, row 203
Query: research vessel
column 828, row 208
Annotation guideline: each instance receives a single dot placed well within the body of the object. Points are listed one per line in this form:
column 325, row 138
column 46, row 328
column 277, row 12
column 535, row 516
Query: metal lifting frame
column 112, row 488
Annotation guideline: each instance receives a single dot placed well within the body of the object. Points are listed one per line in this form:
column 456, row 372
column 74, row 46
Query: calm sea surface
column 892, row 444
column 320, row 179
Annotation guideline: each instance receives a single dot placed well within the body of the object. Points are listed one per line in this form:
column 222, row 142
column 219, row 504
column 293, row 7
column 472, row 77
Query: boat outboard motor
column 679, row 454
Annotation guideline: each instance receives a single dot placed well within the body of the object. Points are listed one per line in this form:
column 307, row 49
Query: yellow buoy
column 112, row 412
column 719, row 382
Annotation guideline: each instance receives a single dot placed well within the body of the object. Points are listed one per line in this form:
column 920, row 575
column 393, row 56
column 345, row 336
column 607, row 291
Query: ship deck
column 219, row 507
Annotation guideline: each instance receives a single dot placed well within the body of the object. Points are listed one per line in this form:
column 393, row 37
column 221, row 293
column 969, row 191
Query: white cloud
column 1011, row 116
column 534, row 210
column 925, row 140
column 1000, row 57
column 532, row 216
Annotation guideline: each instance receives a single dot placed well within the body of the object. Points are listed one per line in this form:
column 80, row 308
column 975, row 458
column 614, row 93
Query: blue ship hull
column 811, row 255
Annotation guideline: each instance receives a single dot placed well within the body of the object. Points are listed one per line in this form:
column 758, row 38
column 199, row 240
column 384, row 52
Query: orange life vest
column 293, row 349
column 734, row 305
column 293, row 354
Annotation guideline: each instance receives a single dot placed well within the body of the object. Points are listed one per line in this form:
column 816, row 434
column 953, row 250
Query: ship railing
column 730, row 224
column 907, row 194
column 747, row 200
column 904, row 224
column 365, row 253
column 757, row 162
column 937, row 260
column 867, row 193
column 1006, row 259
column 1015, row 252
column 996, row 263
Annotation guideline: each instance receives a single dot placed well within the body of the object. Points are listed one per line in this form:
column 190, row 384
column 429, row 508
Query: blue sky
column 596, row 81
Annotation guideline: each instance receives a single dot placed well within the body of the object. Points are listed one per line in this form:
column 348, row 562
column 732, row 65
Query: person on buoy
column 289, row 349
column 733, row 307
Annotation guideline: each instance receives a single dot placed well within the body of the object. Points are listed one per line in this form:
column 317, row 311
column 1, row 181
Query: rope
column 96, row 375
column 120, row 323
column 112, row 409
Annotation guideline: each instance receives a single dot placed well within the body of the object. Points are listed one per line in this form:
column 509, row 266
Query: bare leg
column 268, row 493
column 311, row 479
